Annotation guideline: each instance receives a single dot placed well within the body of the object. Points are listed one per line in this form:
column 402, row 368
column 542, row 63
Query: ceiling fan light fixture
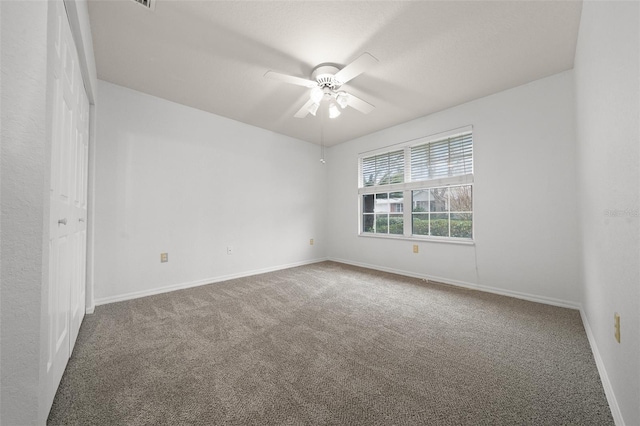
column 316, row 94
column 325, row 86
column 333, row 110
column 342, row 99
column 313, row 109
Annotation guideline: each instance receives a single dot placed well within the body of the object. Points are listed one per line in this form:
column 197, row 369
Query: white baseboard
column 180, row 286
column 89, row 309
column 606, row 384
column 518, row 295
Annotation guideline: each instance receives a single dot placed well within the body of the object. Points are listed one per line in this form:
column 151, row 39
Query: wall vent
column 149, row 4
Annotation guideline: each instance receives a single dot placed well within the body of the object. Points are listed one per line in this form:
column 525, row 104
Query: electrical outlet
column 229, row 250
column 311, row 242
column 616, row 324
column 415, row 248
column 164, row 257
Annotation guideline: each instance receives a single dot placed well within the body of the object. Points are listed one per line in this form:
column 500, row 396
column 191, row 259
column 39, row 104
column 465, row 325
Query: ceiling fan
column 325, row 84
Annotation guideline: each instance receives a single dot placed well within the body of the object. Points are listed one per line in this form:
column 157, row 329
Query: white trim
column 79, row 21
column 78, row 16
column 418, row 141
column 89, row 310
column 91, row 213
column 502, row 292
column 420, row 238
column 604, row 377
column 197, row 283
column 419, row 184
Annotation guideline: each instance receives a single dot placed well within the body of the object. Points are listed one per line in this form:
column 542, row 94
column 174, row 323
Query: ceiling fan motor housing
column 325, row 76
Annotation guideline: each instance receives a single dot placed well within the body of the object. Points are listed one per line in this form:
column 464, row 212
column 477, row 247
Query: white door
column 81, row 156
column 68, row 195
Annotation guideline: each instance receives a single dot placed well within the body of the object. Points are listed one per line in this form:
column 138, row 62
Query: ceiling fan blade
column 302, row 112
column 355, row 68
column 362, row 106
column 299, row 81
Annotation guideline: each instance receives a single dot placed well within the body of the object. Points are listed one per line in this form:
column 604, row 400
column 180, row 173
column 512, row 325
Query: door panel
column 67, row 238
column 59, row 285
column 62, row 299
column 80, row 213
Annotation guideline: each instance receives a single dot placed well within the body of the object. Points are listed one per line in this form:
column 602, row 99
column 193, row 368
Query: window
column 442, row 212
column 423, row 190
column 379, row 216
column 383, row 169
column 397, row 207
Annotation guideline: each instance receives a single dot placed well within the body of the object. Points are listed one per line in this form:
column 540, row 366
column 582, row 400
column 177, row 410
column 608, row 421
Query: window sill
column 460, row 241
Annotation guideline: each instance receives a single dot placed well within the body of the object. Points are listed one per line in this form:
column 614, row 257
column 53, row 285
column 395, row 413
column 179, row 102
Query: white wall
column 607, row 83
column 524, row 196
column 175, row 179
column 24, row 216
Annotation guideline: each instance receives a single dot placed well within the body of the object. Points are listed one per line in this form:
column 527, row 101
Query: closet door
column 68, row 195
column 79, row 207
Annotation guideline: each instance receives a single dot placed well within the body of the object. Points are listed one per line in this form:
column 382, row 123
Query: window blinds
column 444, row 158
column 383, row 169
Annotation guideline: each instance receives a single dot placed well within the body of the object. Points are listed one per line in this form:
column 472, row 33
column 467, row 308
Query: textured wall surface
column 524, row 196
column 25, row 168
column 607, row 75
column 174, row 179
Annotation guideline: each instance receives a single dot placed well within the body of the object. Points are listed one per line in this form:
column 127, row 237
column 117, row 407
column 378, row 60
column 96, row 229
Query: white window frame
column 408, row 186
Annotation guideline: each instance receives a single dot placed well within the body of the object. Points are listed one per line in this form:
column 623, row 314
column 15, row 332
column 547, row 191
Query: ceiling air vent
column 149, row 4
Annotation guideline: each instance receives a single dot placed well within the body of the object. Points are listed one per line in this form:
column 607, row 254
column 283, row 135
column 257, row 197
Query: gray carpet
column 330, row 344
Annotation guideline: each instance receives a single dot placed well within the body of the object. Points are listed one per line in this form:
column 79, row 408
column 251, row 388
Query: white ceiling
column 212, row 55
